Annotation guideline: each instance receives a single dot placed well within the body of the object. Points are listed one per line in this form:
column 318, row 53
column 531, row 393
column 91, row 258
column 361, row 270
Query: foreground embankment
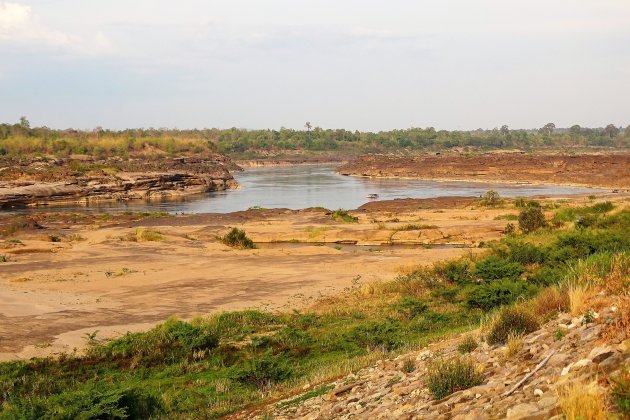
column 592, row 170
column 41, row 181
column 552, row 294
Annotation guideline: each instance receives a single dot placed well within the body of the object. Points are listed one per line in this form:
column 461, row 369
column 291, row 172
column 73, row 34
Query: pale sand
column 50, row 300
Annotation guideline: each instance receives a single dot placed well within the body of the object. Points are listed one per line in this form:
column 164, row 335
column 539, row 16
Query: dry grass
column 581, row 401
column 550, row 302
column 621, row 321
column 143, row 235
column 578, row 297
column 513, row 346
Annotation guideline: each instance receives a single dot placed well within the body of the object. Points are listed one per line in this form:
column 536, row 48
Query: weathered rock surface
column 48, row 181
column 603, row 170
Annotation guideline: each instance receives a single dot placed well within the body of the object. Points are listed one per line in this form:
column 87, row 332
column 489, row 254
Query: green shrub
column 525, row 253
column 604, row 207
column 264, row 371
column 445, row 377
column 547, row 276
column 531, row 219
column 431, row 321
column 376, row 335
column 341, row 215
column 498, row 293
column 236, row 238
column 467, row 345
column 163, row 344
column 586, row 221
column 620, row 392
column 91, row 402
column 458, row 272
column 495, row 268
column 410, row 307
column 514, row 320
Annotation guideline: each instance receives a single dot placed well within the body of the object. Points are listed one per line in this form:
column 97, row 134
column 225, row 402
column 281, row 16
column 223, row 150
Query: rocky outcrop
column 388, row 390
column 51, row 181
column 595, row 170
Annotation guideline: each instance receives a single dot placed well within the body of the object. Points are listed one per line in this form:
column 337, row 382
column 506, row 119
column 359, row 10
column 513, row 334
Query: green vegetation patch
column 237, row 238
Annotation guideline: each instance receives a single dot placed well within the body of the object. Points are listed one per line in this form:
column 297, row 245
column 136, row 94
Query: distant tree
column 24, row 123
column 308, row 127
column 611, row 130
column 627, row 131
column 505, row 129
column 575, row 129
column 548, row 129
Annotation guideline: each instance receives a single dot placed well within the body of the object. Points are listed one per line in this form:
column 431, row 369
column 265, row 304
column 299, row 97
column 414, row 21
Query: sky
column 354, row 64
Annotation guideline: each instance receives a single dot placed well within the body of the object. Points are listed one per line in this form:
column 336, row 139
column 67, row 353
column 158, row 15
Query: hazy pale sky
column 355, row 64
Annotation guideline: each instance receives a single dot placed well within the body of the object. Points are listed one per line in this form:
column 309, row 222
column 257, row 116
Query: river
column 297, row 187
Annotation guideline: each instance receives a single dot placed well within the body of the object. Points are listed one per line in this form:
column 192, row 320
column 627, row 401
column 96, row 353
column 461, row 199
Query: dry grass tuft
column 513, row 346
column 550, row 302
column 578, row 296
column 583, row 401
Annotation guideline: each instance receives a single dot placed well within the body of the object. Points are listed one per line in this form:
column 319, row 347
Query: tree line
column 21, row 138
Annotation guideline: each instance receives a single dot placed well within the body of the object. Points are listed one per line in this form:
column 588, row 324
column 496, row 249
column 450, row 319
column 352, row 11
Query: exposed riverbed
column 302, row 186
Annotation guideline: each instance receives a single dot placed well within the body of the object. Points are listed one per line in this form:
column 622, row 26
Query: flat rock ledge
column 121, row 187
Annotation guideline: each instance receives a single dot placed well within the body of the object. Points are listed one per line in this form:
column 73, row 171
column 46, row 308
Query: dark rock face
column 49, row 181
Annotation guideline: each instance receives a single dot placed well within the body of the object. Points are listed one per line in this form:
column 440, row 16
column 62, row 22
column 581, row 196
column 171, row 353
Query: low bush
column 498, row 293
column 467, row 345
column 524, row 253
column 511, row 320
column 620, row 392
column 91, row 402
column 431, row 321
column 531, row 219
column 547, row 276
column 458, row 272
column 236, row 238
column 167, row 342
column 262, row 372
column 377, row 335
column 410, row 307
column 341, row 215
column 445, row 377
column 496, row 268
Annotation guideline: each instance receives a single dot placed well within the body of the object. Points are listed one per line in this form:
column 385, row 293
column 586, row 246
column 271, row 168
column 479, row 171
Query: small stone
column 611, row 363
column 598, row 354
column 547, row 402
column 521, row 411
column 557, row 360
column 581, row 363
column 589, row 333
column 565, row 370
column 538, row 392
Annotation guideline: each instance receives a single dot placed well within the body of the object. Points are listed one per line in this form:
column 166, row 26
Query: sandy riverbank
column 71, row 274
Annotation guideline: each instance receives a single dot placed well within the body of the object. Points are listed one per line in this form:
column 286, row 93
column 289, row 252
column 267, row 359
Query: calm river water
column 297, row 187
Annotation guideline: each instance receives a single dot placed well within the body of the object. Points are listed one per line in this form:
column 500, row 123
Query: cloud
column 13, row 15
column 18, row 26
